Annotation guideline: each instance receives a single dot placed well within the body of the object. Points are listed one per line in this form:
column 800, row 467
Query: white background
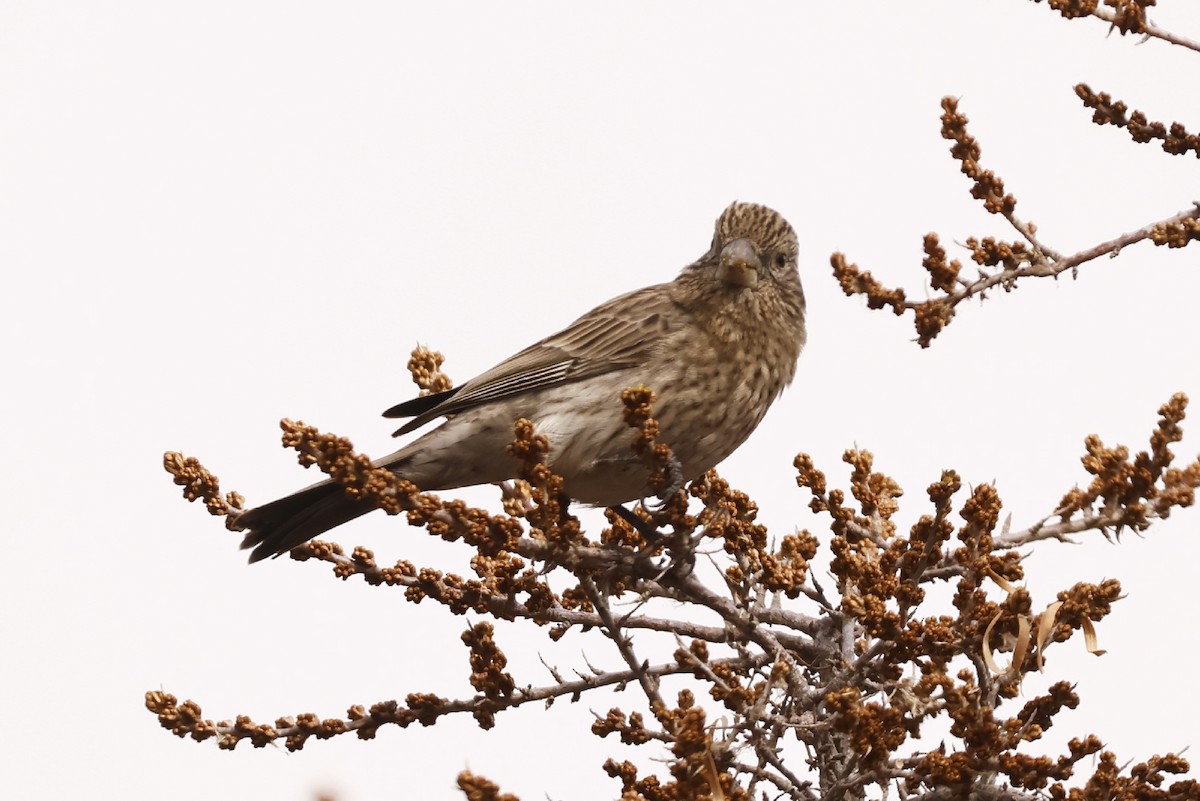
column 216, row 215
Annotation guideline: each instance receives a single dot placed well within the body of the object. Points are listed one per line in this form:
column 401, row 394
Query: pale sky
column 216, row 215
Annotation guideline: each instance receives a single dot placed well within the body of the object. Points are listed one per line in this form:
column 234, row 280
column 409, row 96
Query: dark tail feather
column 277, row 527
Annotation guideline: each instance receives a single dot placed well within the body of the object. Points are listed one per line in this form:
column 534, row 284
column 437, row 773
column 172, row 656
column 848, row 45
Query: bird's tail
column 277, row 527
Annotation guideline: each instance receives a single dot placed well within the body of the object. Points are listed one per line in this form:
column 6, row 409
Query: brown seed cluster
column 1072, row 9
column 1175, row 138
column 943, row 275
column 199, row 484
column 696, row 770
column 1146, row 782
column 1177, row 233
column 855, row 281
column 1129, row 492
column 986, row 185
column 487, row 673
column 425, row 367
column 1127, row 16
column 477, row 788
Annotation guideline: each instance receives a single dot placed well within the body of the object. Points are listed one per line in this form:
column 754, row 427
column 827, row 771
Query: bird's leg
column 673, row 483
column 564, row 508
column 641, row 526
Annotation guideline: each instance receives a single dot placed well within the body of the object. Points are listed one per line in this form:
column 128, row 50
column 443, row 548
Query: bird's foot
column 564, row 508
column 673, row 484
column 640, row 524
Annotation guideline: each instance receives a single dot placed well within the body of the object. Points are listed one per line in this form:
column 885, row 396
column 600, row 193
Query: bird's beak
column 739, row 264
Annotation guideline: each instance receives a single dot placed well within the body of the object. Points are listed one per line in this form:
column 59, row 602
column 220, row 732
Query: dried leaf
column 1045, row 628
column 1089, row 638
column 987, row 647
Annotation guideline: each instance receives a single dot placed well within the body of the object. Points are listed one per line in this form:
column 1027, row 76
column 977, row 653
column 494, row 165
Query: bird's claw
column 639, row 524
column 673, row 484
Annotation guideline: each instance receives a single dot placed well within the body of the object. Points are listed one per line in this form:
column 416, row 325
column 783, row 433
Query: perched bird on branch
column 718, row 344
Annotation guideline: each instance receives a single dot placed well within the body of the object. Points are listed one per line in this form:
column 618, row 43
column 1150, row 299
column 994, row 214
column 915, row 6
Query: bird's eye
column 780, row 260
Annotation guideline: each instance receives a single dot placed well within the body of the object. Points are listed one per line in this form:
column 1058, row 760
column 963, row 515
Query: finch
column 717, row 345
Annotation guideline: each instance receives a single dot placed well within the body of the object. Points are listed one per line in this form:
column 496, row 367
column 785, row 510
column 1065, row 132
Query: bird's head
column 745, row 292
column 751, row 244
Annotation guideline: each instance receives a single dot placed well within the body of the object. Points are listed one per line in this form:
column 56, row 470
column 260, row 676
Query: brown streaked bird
column 718, row 344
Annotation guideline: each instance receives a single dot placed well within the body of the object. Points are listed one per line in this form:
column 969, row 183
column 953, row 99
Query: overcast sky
column 216, row 215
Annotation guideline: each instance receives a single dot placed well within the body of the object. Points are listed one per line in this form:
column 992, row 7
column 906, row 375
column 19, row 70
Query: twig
column 649, row 683
column 1150, row 30
column 1062, row 264
column 229, row 734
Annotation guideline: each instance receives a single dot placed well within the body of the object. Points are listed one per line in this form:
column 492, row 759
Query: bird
column 718, row 344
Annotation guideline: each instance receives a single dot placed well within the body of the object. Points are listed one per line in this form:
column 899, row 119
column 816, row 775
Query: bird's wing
column 614, row 335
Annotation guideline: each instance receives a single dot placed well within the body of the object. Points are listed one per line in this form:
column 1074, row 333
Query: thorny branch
column 851, row 678
column 1125, row 16
column 185, row 719
column 1002, row 264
